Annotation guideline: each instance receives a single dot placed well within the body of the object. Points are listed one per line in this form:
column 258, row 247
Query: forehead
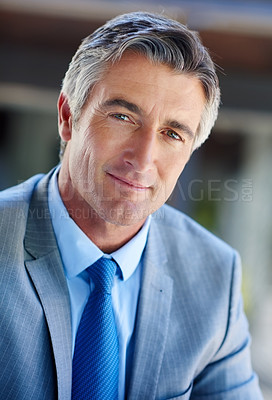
column 138, row 68
column 150, row 85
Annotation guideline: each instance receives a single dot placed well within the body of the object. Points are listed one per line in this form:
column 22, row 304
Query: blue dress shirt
column 78, row 252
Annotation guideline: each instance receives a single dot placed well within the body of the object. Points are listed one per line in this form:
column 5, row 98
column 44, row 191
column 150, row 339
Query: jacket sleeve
column 229, row 376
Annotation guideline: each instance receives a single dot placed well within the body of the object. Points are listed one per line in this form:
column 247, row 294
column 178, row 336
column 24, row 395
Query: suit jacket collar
column 153, row 319
column 45, row 267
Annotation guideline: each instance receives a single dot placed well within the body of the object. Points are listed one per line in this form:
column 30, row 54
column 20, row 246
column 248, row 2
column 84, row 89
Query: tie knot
column 102, row 273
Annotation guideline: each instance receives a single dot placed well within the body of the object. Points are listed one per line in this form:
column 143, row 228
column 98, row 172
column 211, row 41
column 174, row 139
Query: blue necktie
column 96, row 357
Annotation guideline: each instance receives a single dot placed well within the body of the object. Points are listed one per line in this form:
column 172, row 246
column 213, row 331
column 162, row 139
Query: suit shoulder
column 188, row 232
column 14, row 205
column 19, row 194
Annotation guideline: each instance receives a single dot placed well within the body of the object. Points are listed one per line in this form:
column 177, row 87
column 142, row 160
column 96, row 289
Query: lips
column 128, row 183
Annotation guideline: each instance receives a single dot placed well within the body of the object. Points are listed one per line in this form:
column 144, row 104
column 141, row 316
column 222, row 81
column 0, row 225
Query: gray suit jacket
column 191, row 336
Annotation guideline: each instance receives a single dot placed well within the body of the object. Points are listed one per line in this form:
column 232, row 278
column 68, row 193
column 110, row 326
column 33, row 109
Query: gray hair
column 161, row 40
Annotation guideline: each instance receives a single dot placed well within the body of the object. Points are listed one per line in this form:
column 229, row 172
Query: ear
column 64, row 118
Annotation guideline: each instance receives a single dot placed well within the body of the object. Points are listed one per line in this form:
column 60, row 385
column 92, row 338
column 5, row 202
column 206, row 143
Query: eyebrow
column 123, row 103
column 181, row 127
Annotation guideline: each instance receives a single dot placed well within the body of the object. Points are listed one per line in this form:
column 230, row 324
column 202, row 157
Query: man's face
column 133, row 139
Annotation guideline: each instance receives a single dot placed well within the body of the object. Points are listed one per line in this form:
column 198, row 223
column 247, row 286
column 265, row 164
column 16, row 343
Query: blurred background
column 227, row 185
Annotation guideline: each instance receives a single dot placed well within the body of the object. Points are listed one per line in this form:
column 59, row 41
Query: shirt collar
column 129, row 255
column 77, row 251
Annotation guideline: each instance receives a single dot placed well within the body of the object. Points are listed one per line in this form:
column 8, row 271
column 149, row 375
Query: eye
column 121, row 117
column 172, row 134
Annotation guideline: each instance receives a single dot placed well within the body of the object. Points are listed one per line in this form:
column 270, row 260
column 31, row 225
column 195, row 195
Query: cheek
column 170, row 171
column 85, row 144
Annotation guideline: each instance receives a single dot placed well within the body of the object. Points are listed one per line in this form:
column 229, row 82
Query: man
column 140, row 95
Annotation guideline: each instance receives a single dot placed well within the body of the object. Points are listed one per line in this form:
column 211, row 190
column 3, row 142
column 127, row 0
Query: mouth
column 133, row 185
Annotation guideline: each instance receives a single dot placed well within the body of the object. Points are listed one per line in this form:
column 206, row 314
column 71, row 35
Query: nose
column 141, row 151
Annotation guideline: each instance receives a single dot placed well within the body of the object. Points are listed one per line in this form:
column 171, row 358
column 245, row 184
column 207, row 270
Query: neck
column 106, row 236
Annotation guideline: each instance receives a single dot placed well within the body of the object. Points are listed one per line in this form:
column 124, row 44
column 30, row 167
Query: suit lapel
column 152, row 320
column 46, row 271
